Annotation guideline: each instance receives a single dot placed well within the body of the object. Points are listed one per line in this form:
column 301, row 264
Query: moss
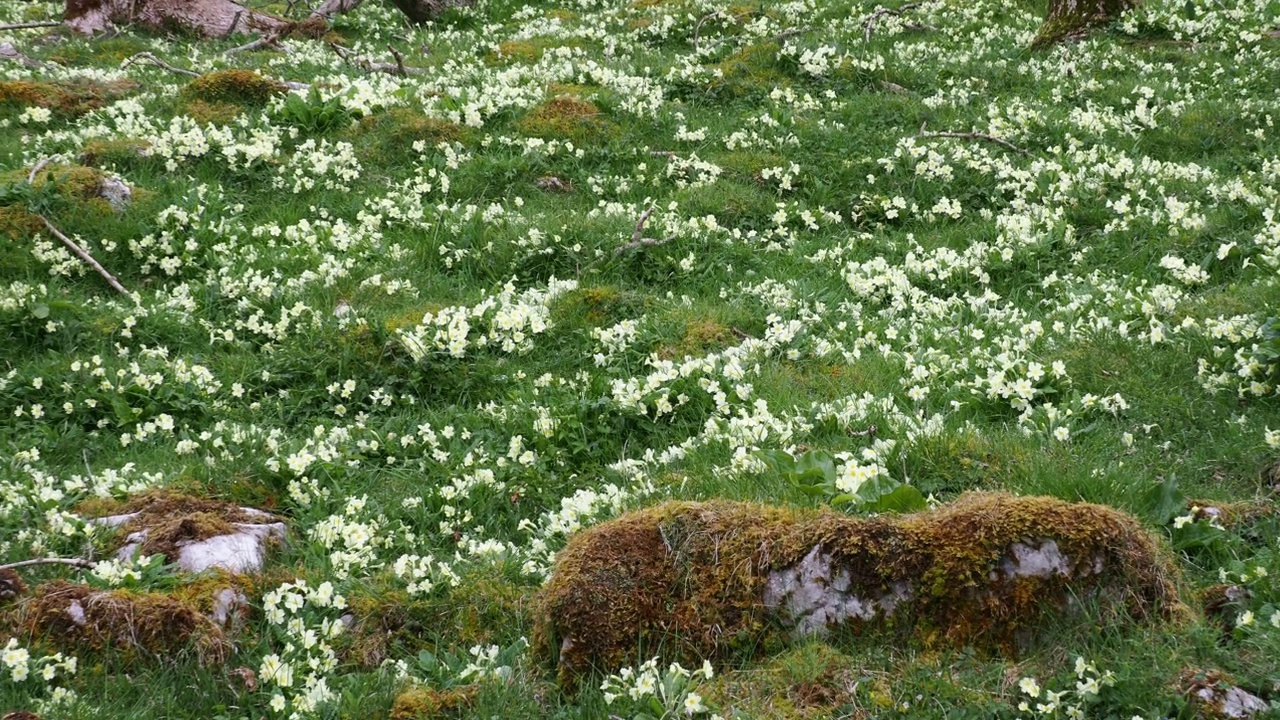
column 165, row 538
column 239, row 87
column 700, row 337
column 16, row 222
column 101, row 152
column 595, row 306
column 808, row 681
column 420, row 703
column 567, row 117
column 516, row 51
column 750, row 71
column 173, row 519
column 212, row 113
column 693, row 576
column 1072, row 19
column 401, row 127
column 75, row 616
column 64, row 99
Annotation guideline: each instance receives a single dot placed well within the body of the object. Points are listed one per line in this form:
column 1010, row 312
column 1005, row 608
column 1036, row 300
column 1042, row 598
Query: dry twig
column 271, row 40
column 84, row 256
column 638, row 240
column 974, row 136
column 35, row 24
column 697, row 29
column 31, row 177
column 158, row 63
column 74, row 562
column 399, row 68
column 870, row 23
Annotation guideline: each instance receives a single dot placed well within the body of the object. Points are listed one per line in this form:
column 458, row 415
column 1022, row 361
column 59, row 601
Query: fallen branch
column 270, row 40
column 637, row 236
column 31, row 177
column 158, row 63
column 697, row 29
column 26, row 25
column 399, row 68
column 870, row 23
column 974, row 136
column 74, row 562
column 234, row 22
column 83, row 255
column 791, row 33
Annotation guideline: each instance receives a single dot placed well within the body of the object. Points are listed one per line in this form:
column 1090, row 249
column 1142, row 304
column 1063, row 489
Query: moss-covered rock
column 704, row 579
column 421, row 703
column 71, row 616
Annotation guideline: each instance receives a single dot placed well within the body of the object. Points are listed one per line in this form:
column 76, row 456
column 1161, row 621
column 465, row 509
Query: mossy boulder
column 71, row 616
column 422, row 703
column 706, row 579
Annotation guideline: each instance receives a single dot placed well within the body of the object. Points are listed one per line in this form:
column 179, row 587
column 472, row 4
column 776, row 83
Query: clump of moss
column 68, row 615
column 212, row 113
column 700, row 337
column 420, row 703
column 172, row 520
column 516, row 51
column 239, row 87
column 69, row 99
column 16, row 222
column 400, row 128
column 594, row 306
column 750, row 71
column 101, row 152
column 566, row 117
column 811, row 680
column 711, row 578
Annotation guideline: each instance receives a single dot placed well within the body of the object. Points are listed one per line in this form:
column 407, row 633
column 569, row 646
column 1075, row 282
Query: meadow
column 439, row 296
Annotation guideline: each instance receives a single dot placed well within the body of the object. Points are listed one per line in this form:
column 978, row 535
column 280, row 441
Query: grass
column 406, row 314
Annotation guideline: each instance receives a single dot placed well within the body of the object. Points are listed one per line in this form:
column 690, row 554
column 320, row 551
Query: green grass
column 814, row 264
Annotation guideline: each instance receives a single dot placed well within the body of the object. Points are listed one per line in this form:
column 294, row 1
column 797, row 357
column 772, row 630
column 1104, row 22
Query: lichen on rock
column 710, row 578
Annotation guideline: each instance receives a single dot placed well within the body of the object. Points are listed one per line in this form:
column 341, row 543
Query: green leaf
column 902, row 499
column 123, row 412
column 1163, row 502
column 41, row 311
column 427, row 661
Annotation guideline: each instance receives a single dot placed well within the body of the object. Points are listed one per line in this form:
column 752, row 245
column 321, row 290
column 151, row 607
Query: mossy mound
column 699, row 338
column 72, row 616
column 238, row 87
column 806, row 682
column 748, row 72
column 705, row 579
column 212, row 113
column 64, row 99
column 103, row 152
column 387, row 136
column 567, row 117
column 420, row 703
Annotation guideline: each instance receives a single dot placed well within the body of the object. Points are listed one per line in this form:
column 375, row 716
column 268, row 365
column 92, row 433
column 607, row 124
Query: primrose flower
column 1029, row 686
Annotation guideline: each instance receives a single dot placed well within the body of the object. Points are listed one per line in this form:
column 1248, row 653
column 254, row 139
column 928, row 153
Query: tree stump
column 1071, row 19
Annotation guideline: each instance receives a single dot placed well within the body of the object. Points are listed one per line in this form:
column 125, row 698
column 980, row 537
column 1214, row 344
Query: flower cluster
column 647, row 692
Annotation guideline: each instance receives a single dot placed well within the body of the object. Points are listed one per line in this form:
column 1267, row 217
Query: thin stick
column 644, row 218
column 264, row 41
column 31, row 178
column 399, row 61
column 158, row 63
column 697, row 29
column 974, row 136
column 234, row 22
column 791, row 33
column 86, row 257
column 74, row 562
column 25, row 25
column 870, row 24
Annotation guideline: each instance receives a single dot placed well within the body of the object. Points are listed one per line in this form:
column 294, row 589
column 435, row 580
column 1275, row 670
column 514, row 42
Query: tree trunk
column 211, row 18
column 421, row 11
column 1071, row 19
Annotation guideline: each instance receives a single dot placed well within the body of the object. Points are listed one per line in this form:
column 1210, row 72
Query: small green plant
column 313, row 114
column 1267, row 352
column 844, row 479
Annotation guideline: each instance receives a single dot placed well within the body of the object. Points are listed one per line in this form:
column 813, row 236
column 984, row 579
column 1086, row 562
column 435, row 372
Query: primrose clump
column 566, row 117
column 709, row 578
column 238, row 87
